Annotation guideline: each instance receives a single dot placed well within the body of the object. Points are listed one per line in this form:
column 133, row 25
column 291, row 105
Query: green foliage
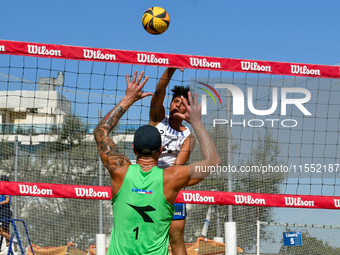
column 56, row 222
column 6, row 150
column 264, row 151
column 311, row 246
column 71, row 135
column 69, row 158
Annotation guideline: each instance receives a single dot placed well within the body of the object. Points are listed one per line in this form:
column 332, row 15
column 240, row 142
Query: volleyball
column 156, row 20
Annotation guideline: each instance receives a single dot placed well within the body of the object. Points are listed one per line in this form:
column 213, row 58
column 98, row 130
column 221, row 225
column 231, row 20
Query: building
column 33, row 114
column 36, row 116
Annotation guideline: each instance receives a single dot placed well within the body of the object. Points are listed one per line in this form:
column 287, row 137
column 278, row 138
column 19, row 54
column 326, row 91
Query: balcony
column 39, row 129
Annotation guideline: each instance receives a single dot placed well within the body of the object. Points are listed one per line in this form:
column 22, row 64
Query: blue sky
column 289, row 31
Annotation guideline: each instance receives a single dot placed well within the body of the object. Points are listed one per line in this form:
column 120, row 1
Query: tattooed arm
column 111, row 158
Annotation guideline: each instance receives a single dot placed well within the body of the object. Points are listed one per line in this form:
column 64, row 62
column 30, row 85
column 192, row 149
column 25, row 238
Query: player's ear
column 161, row 150
column 134, row 151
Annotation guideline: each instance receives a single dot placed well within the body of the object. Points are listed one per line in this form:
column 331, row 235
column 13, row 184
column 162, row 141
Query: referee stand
column 15, row 243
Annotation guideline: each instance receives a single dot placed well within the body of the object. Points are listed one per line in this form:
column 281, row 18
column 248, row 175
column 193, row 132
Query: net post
column 16, row 150
column 100, row 244
column 100, row 177
column 230, row 238
column 258, row 224
column 229, row 156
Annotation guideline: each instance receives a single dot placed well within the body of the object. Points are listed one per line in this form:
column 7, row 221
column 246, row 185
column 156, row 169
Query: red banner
column 185, row 196
column 167, row 60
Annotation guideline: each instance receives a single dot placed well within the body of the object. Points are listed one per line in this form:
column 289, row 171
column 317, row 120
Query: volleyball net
column 275, row 126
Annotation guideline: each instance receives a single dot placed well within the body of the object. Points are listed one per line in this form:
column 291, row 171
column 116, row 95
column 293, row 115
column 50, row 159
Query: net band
column 187, row 196
column 167, row 60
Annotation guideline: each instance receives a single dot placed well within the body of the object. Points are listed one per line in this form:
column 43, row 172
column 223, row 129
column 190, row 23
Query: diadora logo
column 238, row 104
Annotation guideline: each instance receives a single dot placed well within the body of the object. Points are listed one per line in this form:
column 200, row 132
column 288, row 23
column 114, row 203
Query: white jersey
column 172, row 142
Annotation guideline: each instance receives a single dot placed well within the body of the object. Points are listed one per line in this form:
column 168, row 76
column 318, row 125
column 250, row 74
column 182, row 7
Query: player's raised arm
column 108, row 151
column 157, row 111
column 208, row 149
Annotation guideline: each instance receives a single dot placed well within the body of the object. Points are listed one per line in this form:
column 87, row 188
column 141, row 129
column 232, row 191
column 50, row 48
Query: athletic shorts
column 180, row 212
column 5, row 213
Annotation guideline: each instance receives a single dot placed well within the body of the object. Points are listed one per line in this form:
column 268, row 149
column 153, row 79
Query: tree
column 71, row 134
column 6, row 150
column 311, row 246
column 71, row 158
column 265, row 150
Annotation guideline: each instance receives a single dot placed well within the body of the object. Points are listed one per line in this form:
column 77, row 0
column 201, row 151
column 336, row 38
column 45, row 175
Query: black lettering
column 142, row 211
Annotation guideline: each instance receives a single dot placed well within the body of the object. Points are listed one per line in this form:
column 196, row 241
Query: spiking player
column 177, row 144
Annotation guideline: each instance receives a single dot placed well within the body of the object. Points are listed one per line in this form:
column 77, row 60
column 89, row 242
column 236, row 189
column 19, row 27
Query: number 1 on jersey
column 136, row 229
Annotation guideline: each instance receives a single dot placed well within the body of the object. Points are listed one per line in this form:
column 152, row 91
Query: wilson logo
column 296, row 69
column 189, row 197
column 254, row 66
column 34, row 190
column 337, row 202
column 2, row 48
column 42, row 50
column 293, row 201
column 204, row 63
column 82, row 192
column 240, row 199
column 146, row 58
column 98, row 55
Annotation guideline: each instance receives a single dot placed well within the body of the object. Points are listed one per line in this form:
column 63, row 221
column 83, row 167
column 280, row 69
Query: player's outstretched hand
column 134, row 88
column 193, row 112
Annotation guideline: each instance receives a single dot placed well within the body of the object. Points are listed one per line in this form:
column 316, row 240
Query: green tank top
column 141, row 214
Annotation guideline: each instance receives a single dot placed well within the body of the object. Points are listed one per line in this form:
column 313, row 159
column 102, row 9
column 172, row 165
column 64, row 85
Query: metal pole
column 218, row 228
column 258, row 225
column 16, row 150
column 230, row 188
column 100, row 177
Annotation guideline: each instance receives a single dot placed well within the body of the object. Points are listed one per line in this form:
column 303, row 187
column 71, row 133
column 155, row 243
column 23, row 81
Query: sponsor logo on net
column 337, row 202
column 93, row 54
column 203, row 62
column 295, row 69
column 254, row 66
column 43, row 50
column 249, row 200
column 297, row 201
column 84, row 192
column 189, row 197
column 151, row 58
column 34, row 190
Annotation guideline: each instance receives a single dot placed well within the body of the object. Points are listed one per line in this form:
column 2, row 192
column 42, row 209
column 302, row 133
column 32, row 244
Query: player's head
column 147, row 140
column 4, row 178
column 176, row 104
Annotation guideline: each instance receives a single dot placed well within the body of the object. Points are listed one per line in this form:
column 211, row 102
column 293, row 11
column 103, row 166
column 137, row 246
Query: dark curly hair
column 178, row 91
